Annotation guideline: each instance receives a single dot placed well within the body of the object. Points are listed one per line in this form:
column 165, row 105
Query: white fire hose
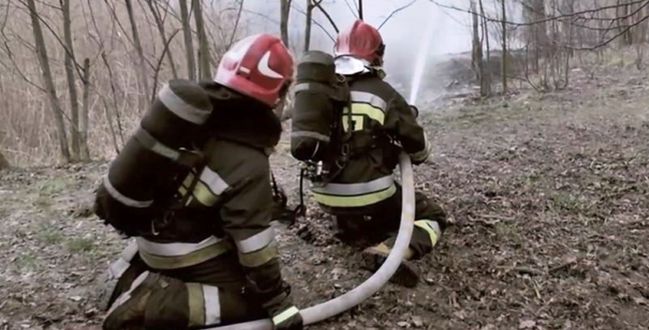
column 359, row 294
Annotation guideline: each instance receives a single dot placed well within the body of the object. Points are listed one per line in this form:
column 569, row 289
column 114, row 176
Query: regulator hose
column 366, row 289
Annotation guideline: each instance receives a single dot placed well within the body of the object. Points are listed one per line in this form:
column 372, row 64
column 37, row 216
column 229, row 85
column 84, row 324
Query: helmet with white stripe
column 259, row 66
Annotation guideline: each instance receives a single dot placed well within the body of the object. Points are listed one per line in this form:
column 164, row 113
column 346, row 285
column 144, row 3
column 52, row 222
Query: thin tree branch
column 396, row 11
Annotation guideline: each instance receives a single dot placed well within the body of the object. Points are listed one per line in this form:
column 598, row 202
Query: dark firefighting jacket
column 381, row 124
column 226, row 202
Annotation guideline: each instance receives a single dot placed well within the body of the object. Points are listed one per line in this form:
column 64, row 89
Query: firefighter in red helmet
column 363, row 196
column 212, row 259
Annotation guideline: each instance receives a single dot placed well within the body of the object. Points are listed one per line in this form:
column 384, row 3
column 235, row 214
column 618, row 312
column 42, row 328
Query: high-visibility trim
column 259, row 257
column 181, row 108
column 204, row 195
column 194, row 258
column 355, row 201
column 310, row 134
column 432, row 228
column 369, row 98
column 113, row 192
column 257, row 241
column 173, row 249
column 285, row 315
column 369, row 111
column 353, row 189
column 213, row 181
column 196, row 302
column 151, row 143
column 212, row 305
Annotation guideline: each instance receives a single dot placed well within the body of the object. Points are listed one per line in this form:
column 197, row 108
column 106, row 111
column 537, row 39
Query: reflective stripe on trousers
column 180, row 255
column 355, row 194
column 432, row 228
column 204, row 305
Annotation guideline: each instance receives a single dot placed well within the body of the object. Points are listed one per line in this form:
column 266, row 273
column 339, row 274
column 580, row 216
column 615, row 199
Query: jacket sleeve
column 401, row 123
column 246, row 220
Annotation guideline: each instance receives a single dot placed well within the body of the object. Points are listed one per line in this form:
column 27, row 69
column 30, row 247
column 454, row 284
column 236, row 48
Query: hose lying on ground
column 359, row 294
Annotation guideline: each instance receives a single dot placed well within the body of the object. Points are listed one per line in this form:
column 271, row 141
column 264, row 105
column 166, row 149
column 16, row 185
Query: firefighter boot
column 406, row 275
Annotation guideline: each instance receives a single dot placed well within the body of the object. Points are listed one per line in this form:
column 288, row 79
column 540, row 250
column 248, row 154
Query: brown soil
column 549, row 195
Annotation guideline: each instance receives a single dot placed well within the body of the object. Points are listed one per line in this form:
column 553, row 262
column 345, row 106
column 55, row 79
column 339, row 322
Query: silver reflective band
column 213, row 180
column 182, row 109
column 301, row 87
column 173, row 249
column 369, row 98
column 309, row 134
column 156, row 146
column 353, row 189
column 212, row 305
column 124, row 199
column 119, row 266
column 257, row 241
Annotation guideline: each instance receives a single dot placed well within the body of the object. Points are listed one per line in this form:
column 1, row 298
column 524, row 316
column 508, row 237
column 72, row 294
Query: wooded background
column 78, row 75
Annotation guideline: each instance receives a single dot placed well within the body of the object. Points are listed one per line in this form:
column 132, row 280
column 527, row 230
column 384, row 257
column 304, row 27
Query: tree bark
column 141, row 68
column 204, row 69
column 285, row 10
column 163, row 35
column 3, row 162
column 189, row 43
column 307, row 25
column 83, row 136
column 41, row 52
column 504, row 54
column 72, row 85
column 477, row 56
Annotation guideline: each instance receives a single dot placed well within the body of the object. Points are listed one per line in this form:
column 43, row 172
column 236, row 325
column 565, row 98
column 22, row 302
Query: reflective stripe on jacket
column 233, row 192
column 377, row 111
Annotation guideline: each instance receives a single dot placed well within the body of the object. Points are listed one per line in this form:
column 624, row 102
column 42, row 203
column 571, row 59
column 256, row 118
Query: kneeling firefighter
column 193, row 187
column 356, row 147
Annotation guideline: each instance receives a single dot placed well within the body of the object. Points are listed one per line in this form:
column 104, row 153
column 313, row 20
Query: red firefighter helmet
column 259, row 66
column 362, row 41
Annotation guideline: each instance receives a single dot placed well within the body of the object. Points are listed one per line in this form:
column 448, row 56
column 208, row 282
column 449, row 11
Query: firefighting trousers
column 380, row 222
column 206, row 294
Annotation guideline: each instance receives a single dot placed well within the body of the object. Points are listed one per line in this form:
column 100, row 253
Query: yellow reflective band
column 428, row 227
column 194, row 258
column 260, row 257
column 369, row 111
column 285, row 315
column 358, row 122
column 204, row 195
column 196, row 305
column 355, row 201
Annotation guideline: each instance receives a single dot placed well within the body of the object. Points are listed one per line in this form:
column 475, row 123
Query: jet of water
column 420, row 63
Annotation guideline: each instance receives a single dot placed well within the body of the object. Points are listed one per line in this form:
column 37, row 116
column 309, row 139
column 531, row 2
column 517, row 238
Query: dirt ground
column 549, row 195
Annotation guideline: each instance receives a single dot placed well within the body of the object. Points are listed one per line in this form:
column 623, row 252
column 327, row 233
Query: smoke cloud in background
column 402, row 34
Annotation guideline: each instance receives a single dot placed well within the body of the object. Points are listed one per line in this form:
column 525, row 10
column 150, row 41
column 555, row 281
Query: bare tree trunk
column 478, row 60
column 43, row 60
column 83, row 136
column 3, row 162
column 163, row 35
column 504, row 54
column 360, row 9
column 307, row 25
column 485, row 83
column 204, row 70
column 285, row 9
column 141, row 68
column 189, row 44
column 72, row 86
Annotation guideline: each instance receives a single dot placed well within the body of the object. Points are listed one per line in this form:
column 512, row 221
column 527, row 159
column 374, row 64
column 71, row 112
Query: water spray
column 420, row 63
